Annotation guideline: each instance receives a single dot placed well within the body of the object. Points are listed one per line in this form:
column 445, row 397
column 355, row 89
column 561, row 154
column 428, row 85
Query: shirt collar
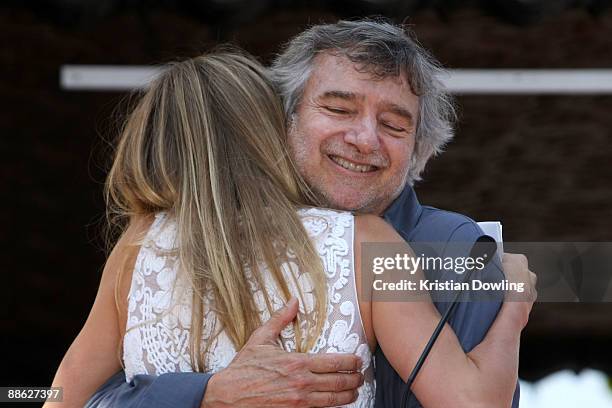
column 404, row 212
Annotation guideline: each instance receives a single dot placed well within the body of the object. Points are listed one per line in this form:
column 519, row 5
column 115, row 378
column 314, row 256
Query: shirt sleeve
column 164, row 391
column 471, row 320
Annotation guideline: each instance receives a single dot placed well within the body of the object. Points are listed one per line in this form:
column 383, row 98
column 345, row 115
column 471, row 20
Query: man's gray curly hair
column 382, row 49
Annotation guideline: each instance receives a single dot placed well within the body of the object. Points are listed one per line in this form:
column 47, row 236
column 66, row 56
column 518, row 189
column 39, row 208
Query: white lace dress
column 159, row 304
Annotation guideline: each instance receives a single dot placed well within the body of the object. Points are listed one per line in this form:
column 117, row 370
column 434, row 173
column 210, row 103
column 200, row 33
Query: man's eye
column 339, row 111
column 393, row 127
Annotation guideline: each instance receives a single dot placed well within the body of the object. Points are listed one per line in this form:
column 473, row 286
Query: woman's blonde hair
column 206, row 143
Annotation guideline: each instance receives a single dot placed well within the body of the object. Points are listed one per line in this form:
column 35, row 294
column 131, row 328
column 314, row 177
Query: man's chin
column 357, row 204
column 362, row 202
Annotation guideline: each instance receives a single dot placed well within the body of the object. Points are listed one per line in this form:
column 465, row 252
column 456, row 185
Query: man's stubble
column 373, row 200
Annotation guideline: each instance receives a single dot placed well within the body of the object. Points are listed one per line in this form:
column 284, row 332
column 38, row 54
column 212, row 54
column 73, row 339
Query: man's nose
column 363, row 136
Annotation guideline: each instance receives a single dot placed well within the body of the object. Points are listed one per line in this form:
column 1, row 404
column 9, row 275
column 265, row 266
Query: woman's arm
column 93, row 356
column 485, row 377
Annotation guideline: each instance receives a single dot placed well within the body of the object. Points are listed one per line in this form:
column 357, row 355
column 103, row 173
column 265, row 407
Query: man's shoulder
column 416, row 222
column 439, row 225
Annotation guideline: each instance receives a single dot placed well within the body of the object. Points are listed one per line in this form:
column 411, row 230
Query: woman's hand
column 517, row 306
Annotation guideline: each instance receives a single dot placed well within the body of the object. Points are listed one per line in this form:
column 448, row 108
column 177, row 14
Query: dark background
column 540, row 164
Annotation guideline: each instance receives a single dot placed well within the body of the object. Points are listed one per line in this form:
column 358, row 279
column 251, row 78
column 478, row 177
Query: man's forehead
column 328, row 62
column 335, row 76
column 330, row 68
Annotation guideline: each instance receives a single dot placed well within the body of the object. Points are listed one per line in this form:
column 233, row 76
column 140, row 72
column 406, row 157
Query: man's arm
column 166, row 391
column 261, row 374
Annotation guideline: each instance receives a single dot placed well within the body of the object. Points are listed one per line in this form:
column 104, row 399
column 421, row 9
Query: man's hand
column 264, row 375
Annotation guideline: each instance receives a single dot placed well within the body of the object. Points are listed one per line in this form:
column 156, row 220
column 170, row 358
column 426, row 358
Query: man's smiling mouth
column 356, row 167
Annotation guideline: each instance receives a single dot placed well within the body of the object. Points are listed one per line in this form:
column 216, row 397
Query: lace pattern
column 159, row 303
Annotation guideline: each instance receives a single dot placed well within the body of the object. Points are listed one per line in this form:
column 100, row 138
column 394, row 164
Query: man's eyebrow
column 349, row 96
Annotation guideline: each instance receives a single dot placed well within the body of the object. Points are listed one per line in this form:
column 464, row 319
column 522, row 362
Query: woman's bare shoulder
column 123, row 258
column 137, row 229
column 372, row 228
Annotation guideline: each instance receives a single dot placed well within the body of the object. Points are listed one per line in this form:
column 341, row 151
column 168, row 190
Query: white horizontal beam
column 106, row 77
column 530, row 81
column 459, row 81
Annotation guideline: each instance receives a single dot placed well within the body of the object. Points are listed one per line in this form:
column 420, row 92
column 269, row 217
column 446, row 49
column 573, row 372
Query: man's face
column 353, row 135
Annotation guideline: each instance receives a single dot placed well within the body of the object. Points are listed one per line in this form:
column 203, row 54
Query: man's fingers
column 333, row 362
column 332, row 399
column 268, row 333
column 337, row 382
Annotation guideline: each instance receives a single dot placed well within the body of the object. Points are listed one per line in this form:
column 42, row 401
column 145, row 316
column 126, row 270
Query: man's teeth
column 363, row 168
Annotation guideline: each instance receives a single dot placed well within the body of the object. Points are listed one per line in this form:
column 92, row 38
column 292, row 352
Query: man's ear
column 292, row 121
